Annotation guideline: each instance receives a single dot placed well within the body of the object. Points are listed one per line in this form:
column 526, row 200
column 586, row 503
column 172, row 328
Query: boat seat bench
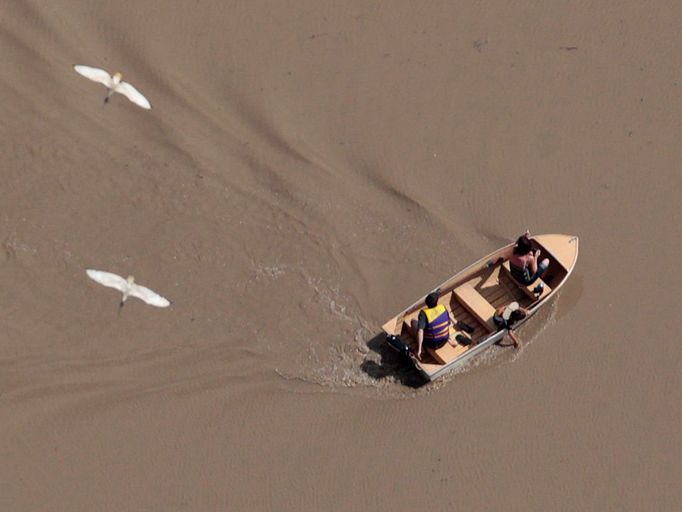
column 528, row 290
column 476, row 304
column 447, row 352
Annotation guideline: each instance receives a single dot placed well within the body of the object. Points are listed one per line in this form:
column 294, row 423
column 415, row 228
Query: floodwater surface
column 307, row 171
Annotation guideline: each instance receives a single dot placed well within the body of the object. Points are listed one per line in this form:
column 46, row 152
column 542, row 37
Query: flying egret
column 128, row 288
column 113, row 84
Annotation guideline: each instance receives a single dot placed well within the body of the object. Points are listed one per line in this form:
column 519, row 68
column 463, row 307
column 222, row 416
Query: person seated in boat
column 432, row 325
column 506, row 316
column 523, row 261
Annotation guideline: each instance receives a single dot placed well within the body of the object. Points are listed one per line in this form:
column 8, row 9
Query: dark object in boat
column 464, row 327
column 463, row 340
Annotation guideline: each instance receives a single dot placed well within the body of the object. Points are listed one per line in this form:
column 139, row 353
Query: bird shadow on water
column 390, row 364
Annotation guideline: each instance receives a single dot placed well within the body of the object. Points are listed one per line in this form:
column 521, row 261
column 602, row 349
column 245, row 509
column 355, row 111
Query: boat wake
column 369, row 368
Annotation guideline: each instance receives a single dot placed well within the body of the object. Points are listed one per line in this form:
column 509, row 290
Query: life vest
column 437, row 328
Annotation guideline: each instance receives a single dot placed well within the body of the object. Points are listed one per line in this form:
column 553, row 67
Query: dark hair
column 523, row 246
column 516, row 315
column 432, row 299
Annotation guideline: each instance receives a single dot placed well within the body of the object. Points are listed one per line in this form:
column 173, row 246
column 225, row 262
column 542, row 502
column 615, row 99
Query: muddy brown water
column 308, row 170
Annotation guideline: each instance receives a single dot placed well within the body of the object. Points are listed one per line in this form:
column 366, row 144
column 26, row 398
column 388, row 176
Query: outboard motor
column 397, row 344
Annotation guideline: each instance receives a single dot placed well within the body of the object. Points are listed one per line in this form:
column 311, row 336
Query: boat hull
column 475, row 292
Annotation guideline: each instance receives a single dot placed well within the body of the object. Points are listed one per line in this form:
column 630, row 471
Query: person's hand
column 419, row 354
column 537, row 253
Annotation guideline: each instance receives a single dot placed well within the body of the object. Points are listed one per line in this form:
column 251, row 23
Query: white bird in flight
column 113, row 84
column 128, row 288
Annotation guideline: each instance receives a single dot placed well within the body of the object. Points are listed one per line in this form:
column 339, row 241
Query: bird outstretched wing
column 94, row 74
column 108, row 279
column 149, row 296
column 133, row 95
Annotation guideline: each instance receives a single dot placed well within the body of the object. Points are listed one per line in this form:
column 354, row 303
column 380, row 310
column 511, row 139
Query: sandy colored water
column 309, row 169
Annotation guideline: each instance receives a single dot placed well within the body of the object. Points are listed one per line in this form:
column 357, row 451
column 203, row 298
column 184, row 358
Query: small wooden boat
column 473, row 295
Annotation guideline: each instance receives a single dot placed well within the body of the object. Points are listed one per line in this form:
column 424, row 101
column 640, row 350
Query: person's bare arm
column 512, row 335
column 420, row 340
column 452, row 327
column 533, row 260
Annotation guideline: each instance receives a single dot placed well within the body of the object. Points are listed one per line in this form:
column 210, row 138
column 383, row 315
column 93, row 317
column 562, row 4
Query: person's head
column 516, row 316
column 432, row 300
column 512, row 313
column 522, row 246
